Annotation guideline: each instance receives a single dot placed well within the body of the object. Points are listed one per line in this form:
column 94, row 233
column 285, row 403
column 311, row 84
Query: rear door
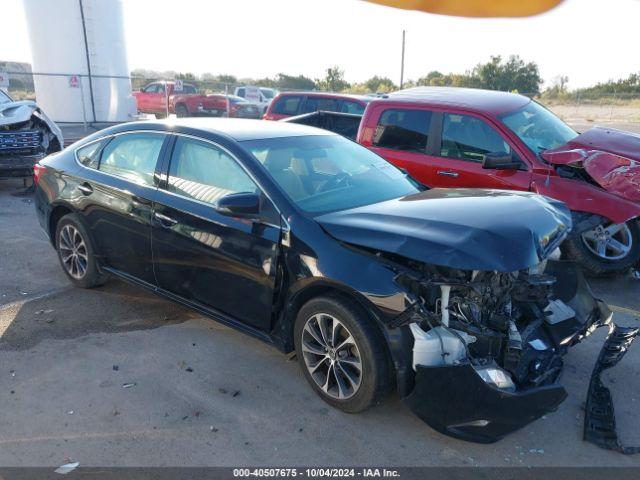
column 404, row 136
column 463, row 140
column 117, row 189
column 218, row 261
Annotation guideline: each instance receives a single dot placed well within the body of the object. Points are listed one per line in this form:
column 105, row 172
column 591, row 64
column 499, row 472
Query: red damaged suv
column 455, row 137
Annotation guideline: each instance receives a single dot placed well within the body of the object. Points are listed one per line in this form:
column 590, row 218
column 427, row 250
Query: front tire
column 342, row 353
column 605, row 248
column 76, row 253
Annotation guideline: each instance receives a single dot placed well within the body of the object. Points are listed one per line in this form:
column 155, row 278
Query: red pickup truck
column 456, row 137
column 184, row 101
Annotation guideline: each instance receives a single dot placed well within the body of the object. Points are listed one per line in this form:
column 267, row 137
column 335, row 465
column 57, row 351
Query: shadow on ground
column 72, row 312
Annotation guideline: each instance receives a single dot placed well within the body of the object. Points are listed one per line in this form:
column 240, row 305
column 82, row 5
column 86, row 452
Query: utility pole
column 402, row 62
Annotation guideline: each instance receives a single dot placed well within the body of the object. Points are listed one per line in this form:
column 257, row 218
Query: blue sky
column 588, row 40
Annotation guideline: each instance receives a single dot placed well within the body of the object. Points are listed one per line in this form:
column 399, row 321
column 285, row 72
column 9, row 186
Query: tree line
column 511, row 74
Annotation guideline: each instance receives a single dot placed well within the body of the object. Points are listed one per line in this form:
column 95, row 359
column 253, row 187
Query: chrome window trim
column 184, row 197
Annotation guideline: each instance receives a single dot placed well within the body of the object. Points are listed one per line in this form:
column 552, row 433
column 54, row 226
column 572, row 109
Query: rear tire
column 333, row 372
column 181, row 111
column 583, row 247
column 76, row 253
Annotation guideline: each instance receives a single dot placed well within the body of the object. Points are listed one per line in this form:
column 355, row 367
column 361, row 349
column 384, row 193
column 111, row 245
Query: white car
column 261, row 96
column 26, row 136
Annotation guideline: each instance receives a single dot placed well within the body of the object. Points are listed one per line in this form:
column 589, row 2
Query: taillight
column 38, row 170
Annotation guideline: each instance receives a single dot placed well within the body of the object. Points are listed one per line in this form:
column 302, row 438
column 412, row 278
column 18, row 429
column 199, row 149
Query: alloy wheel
column 331, row 356
column 612, row 241
column 73, row 252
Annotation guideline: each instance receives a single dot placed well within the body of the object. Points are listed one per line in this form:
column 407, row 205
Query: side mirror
column 239, row 204
column 500, row 161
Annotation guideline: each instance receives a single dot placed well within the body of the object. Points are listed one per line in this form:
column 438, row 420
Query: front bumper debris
column 455, row 401
column 599, row 416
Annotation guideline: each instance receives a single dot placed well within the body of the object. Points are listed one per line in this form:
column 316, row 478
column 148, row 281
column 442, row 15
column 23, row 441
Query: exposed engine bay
column 26, row 136
column 488, row 346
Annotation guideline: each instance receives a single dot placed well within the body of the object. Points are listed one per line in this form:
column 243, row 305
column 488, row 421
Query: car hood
column 16, row 112
column 468, row 229
column 610, row 157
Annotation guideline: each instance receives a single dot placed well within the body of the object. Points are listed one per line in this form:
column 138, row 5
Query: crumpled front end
column 26, row 136
column 488, row 346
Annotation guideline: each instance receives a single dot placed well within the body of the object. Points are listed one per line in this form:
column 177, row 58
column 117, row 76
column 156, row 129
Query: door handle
column 85, row 188
column 448, row 173
column 165, row 221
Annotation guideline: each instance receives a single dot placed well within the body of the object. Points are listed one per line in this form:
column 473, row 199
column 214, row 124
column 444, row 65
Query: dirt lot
column 65, row 355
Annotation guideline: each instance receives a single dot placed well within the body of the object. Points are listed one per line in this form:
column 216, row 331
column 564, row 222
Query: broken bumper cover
column 599, row 416
column 454, row 400
column 18, row 165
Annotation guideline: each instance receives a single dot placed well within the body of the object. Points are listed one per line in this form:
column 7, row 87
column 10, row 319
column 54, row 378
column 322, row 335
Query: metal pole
column 166, row 99
column 84, row 109
column 86, row 50
column 226, row 93
column 402, row 62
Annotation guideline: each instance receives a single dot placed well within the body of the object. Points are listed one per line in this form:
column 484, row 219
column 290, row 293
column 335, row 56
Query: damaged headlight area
column 488, row 346
column 26, row 136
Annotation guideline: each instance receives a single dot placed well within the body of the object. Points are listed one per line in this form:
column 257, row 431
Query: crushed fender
column 599, row 416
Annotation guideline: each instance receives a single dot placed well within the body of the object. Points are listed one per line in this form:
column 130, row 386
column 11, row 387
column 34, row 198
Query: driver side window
column 465, row 137
column 204, row 172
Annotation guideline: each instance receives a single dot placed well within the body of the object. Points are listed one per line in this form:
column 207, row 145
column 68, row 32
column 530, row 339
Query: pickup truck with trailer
column 183, row 99
column 456, row 137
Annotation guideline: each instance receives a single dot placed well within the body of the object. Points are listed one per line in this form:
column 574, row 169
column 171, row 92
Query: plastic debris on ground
column 599, row 414
column 66, row 468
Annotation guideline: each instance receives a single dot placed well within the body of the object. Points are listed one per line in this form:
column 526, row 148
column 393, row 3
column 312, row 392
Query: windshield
column 4, row 98
column 538, row 128
column 268, row 93
column 326, row 173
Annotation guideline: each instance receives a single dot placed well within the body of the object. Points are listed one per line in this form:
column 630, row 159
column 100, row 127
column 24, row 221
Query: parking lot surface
column 116, row 376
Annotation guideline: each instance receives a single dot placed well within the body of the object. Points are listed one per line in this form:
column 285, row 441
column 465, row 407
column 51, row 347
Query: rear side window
column 313, row 104
column 132, row 156
column 352, row 107
column 89, row 155
column 469, row 138
column 205, row 172
column 188, row 89
column 240, row 92
column 287, row 105
column 401, row 129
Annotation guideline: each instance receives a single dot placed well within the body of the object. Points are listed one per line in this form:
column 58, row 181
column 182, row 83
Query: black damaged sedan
column 313, row 243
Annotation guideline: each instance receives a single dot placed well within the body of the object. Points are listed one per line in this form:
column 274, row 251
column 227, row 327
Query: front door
column 457, row 159
column 219, row 261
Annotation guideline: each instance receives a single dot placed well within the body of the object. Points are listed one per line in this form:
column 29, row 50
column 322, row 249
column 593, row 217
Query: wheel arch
column 57, row 212
column 396, row 340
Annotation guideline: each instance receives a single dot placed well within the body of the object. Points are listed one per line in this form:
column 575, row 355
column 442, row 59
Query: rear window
column 349, row 106
column 287, row 105
column 401, row 129
column 313, row 104
column 89, row 155
column 188, row 89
